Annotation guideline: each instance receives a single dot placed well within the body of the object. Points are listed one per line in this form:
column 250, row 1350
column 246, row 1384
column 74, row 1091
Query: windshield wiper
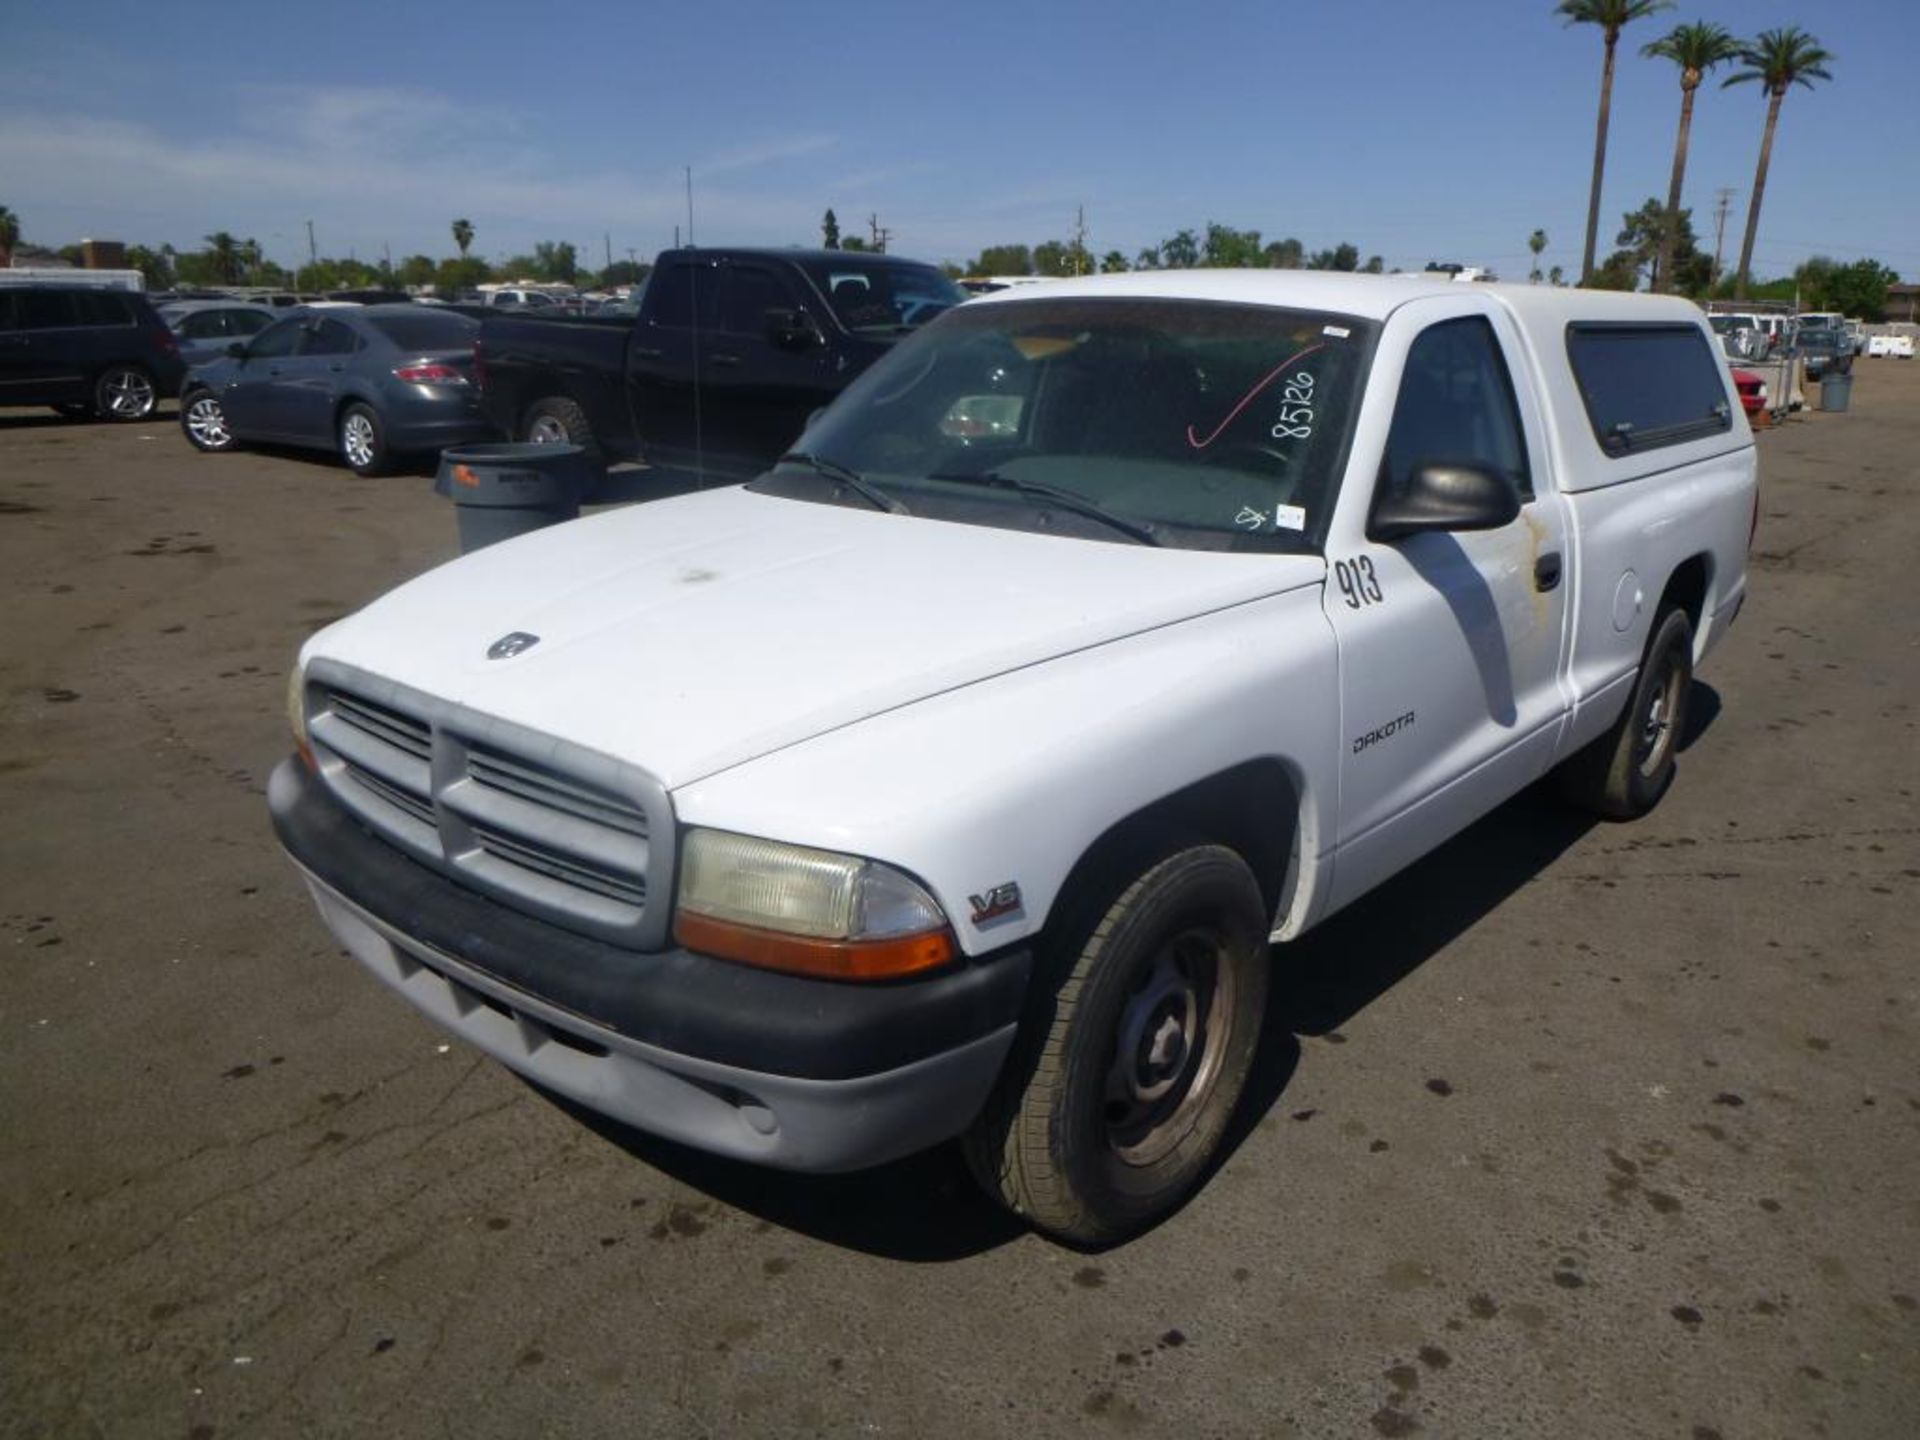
column 1065, row 499
column 847, row 476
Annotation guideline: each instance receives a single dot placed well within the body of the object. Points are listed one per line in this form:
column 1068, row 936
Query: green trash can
column 503, row 491
column 1835, row 390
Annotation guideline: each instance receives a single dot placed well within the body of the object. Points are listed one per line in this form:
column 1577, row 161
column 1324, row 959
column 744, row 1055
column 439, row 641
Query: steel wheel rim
column 1170, row 1045
column 545, row 430
column 207, row 423
column 356, row 437
column 1655, row 740
column 129, row 394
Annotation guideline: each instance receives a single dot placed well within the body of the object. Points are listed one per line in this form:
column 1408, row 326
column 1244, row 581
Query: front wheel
column 363, row 440
column 1112, row 1106
column 124, row 392
column 205, row 423
column 1623, row 774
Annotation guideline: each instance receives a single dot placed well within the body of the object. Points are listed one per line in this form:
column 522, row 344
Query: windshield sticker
column 1290, row 517
column 1197, row 443
column 1338, row 332
column 1249, row 518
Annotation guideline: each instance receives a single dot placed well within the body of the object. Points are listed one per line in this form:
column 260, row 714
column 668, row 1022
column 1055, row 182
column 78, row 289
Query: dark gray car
column 369, row 383
column 205, row 328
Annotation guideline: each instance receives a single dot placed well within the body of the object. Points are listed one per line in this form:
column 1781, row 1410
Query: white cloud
column 370, row 167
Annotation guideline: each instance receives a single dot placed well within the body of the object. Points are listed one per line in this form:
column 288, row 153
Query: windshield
column 887, row 295
column 1207, row 425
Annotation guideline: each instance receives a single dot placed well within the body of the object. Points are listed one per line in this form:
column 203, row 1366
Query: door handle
column 273, row 369
column 724, row 359
column 336, row 368
column 648, row 353
column 1546, row 571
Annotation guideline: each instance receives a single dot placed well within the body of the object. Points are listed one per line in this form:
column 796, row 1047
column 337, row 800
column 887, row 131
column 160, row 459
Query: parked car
column 1753, row 391
column 370, row 382
column 205, row 328
column 955, row 776
column 1890, row 347
column 1823, row 350
column 85, row 350
column 718, row 366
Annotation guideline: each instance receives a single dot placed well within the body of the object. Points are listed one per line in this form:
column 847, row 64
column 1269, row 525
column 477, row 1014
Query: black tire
column 204, row 423
column 363, row 440
column 1124, row 1077
column 125, row 393
column 557, row 420
column 1623, row 774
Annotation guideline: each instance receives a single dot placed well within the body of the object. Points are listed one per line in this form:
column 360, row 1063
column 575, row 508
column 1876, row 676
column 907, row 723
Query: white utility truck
column 953, row 777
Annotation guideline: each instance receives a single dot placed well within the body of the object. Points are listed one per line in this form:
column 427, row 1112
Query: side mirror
column 791, row 329
column 1445, row 497
column 237, row 349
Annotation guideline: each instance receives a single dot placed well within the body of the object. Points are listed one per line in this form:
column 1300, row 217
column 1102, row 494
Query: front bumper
column 778, row 1069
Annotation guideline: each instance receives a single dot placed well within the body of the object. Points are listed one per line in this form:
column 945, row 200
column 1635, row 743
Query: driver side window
column 1456, row 407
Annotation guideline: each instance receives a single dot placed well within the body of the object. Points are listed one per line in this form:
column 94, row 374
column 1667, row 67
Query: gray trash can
column 1835, row 390
column 501, row 491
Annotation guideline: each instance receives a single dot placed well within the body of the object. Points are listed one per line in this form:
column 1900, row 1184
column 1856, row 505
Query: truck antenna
column 699, row 383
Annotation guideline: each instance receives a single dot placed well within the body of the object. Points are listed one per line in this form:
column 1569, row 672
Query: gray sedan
column 370, row 383
column 205, row 328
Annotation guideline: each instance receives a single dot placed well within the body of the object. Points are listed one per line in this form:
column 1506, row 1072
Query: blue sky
column 1416, row 131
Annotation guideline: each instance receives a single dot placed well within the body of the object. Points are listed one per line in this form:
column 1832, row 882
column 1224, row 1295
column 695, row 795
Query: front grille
column 541, row 824
column 500, row 772
column 609, row 883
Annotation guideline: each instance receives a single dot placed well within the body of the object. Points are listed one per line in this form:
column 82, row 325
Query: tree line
column 226, row 259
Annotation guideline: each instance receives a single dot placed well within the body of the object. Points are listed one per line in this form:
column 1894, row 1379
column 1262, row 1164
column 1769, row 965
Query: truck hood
column 690, row 635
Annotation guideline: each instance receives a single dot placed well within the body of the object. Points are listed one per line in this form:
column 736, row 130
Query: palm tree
column 9, row 235
column 463, row 235
column 1536, row 242
column 1610, row 16
column 1696, row 48
column 226, row 256
column 1778, row 59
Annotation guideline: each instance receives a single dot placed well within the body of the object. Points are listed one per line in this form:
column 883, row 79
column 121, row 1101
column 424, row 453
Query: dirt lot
column 1572, row 1131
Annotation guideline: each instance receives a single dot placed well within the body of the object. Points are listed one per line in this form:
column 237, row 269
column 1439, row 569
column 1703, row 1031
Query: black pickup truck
column 717, row 369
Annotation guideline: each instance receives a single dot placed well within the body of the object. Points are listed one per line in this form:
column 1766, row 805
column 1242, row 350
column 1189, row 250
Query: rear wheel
column 124, row 392
column 1623, row 774
column 205, row 423
column 363, row 440
column 559, row 421
column 1112, row 1106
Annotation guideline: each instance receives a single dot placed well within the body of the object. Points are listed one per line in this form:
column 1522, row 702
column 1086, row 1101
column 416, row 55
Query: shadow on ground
column 45, row 418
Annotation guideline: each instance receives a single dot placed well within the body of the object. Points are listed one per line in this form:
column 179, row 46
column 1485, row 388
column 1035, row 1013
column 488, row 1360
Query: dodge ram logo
column 508, row 646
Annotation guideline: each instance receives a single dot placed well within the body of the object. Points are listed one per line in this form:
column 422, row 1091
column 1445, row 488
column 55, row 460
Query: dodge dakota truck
column 966, row 773
column 717, row 369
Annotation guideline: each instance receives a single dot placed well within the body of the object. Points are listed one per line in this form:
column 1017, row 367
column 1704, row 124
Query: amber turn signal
column 886, row 959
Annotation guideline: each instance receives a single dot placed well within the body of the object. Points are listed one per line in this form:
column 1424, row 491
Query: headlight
column 813, row 912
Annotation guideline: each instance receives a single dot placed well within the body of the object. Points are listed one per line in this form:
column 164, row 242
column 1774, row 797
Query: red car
column 1753, row 391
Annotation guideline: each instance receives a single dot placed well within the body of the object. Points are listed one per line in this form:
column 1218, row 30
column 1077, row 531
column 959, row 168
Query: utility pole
column 313, row 253
column 881, row 234
column 1723, row 199
column 1079, row 235
column 606, row 238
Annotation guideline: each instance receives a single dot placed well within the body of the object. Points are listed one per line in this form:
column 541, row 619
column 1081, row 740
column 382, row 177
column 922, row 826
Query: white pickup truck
column 954, row 777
